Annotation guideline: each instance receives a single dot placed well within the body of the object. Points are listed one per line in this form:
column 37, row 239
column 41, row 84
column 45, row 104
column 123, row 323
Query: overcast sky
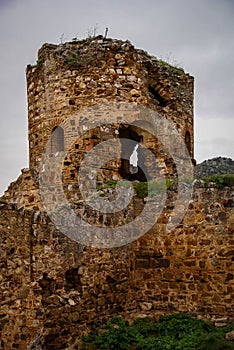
column 196, row 34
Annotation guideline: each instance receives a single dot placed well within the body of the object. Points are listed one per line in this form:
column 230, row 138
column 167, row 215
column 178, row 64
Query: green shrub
column 116, row 335
column 214, row 342
column 146, row 326
column 143, row 189
column 220, row 181
column 172, row 332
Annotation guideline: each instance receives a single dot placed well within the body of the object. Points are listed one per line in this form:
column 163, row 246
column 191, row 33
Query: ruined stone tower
column 71, row 77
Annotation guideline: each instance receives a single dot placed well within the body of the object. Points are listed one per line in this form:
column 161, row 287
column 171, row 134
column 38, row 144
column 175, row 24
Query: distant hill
column 214, row 166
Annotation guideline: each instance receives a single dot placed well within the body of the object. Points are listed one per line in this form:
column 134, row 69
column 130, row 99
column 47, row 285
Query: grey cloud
column 221, row 147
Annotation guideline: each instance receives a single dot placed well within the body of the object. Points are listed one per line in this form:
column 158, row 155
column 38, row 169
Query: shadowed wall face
column 49, row 281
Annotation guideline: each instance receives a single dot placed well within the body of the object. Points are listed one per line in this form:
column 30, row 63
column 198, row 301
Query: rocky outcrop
column 214, row 166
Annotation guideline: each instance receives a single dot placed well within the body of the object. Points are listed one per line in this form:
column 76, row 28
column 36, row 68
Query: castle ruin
column 53, row 288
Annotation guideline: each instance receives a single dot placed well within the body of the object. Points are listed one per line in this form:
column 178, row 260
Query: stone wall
column 24, row 192
column 53, row 285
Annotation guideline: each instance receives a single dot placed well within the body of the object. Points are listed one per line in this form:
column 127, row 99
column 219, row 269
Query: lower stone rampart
column 52, row 286
column 24, row 191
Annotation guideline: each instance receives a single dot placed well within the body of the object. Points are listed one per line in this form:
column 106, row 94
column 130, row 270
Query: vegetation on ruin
column 142, row 189
column 172, row 332
column 220, row 181
column 73, row 59
column 176, row 68
column 154, row 187
column 39, row 61
column 170, row 63
column 92, row 32
column 3, row 200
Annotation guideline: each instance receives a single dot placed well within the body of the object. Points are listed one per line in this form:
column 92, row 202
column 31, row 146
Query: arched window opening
column 57, row 140
column 157, row 96
column 131, row 155
column 188, row 142
column 133, row 160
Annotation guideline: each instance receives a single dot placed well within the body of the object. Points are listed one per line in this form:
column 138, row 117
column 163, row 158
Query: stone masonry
column 76, row 75
column 52, row 283
column 52, row 288
column 73, row 78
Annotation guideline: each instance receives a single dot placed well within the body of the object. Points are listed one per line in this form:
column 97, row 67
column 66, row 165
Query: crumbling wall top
column 87, row 51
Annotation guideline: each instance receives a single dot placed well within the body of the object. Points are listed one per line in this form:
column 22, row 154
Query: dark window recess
column 11, row 251
column 188, row 141
column 73, row 280
column 23, row 336
column 127, row 171
column 157, row 97
column 47, row 285
column 57, row 140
